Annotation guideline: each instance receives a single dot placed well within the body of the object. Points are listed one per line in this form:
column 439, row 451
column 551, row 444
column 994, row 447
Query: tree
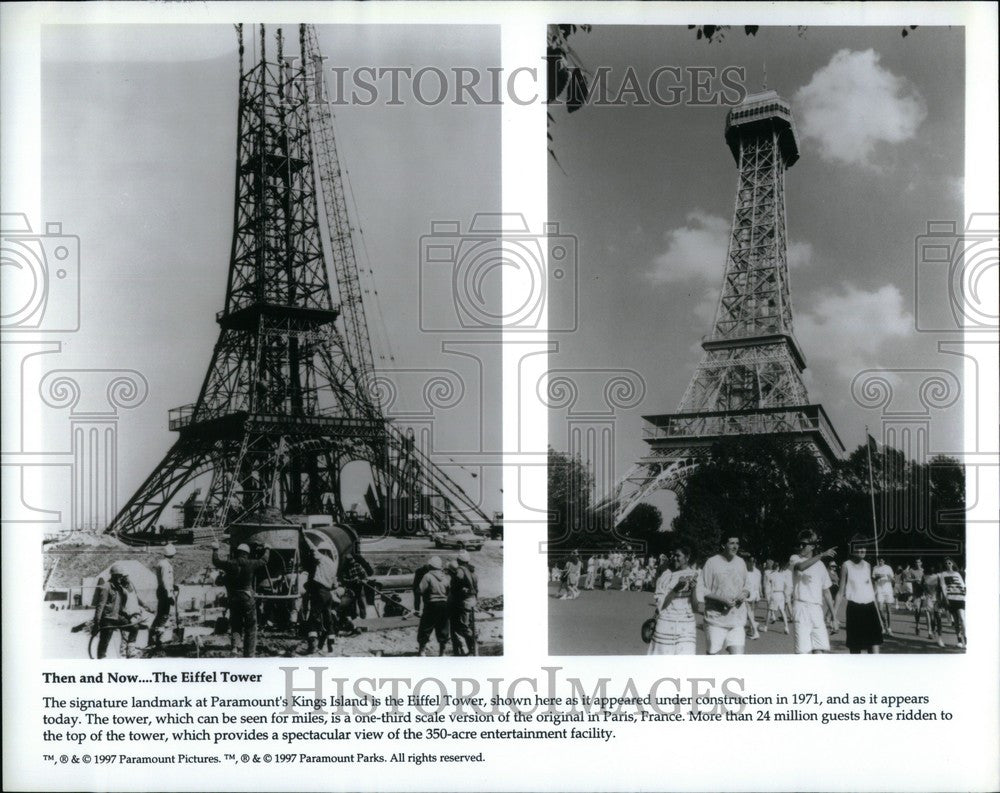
column 767, row 491
column 569, row 498
column 644, row 523
column 762, row 489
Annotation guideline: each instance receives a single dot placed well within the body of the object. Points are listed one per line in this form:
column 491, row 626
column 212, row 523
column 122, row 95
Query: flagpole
column 871, row 488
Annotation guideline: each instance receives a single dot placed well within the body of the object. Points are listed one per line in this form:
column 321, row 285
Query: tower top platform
column 760, row 112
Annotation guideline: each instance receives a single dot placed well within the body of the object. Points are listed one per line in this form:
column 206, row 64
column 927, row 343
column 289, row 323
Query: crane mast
column 342, row 254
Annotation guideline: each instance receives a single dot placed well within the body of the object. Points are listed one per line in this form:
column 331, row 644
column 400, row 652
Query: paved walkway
column 607, row 622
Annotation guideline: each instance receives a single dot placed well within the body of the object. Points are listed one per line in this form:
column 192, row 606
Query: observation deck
column 762, row 113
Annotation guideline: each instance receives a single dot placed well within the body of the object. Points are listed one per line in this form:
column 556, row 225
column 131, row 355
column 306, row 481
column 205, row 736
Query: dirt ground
column 67, row 564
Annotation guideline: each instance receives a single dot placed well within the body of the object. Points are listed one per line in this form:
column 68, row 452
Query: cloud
column 851, row 328
column 799, row 255
column 854, row 103
column 696, row 250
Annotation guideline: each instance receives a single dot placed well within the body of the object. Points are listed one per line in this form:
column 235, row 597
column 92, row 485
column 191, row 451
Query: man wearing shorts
column 884, row 596
column 776, row 593
column 811, row 592
column 953, row 595
column 722, row 588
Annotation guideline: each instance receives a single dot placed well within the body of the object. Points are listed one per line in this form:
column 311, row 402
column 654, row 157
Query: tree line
column 767, row 490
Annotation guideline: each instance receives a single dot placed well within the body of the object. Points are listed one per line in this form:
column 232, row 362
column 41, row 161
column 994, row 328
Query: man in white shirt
column 722, row 588
column 884, row 596
column 811, row 591
column 754, row 584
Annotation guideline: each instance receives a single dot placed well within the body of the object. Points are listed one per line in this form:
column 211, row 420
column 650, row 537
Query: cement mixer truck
column 281, row 583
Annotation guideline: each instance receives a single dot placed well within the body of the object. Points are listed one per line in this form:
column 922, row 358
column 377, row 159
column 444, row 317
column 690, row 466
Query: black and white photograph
column 756, row 431
column 386, row 383
column 281, row 434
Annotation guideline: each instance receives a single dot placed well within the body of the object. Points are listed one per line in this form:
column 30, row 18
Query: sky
column 138, row 152
column 648, row 193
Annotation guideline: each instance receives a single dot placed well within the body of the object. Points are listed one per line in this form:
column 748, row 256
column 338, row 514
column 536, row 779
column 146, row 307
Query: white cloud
column 800, row 254
column 851, row 328
column 854, row 103
column 696, row 250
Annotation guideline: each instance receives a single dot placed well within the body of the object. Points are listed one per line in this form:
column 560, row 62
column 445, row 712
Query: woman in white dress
column 674, row 633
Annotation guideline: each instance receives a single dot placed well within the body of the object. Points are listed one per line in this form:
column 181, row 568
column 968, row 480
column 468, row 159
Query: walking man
column 754, row 585
column 953, row 594
column 573, row 567
column 884, row 596
column 864, row 626
column 811, row 591
column 240, row 572
column 722, row 588
column 166, row 594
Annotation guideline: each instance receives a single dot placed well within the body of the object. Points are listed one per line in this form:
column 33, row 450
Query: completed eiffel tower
column 750, row 379
column 289, row 397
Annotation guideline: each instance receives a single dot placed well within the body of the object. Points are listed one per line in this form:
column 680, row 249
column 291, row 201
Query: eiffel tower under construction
column 290, row 395
column 749, row 381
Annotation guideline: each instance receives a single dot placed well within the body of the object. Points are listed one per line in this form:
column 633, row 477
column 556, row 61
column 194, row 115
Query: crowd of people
column 805, row 594
column 331, row 597
column 614, row 570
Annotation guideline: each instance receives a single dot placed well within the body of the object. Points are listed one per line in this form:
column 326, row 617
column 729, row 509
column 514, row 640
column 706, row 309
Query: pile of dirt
column 85, row 539
column 67, row 565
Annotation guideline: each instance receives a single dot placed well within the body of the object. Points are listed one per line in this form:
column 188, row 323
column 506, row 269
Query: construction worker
column 118, row 607
column 434, row 589
column 354, row 572
column 166, row 594
column 240, row 573
column 418, row 576
column 464, row 594
column 320, row 586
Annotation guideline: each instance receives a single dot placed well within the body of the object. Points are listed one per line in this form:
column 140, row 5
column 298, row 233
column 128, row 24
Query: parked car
column 458, row 539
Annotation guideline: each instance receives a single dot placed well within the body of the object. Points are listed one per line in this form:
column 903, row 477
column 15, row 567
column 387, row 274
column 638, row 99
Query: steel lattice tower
column 289, row 396
column 749, row 381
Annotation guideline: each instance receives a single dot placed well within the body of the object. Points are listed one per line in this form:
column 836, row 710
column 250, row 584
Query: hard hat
column 463, row 555
column 435, row 562
column 452, row 564
column 118, row 569
column 169, row 549
column 243, row 547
